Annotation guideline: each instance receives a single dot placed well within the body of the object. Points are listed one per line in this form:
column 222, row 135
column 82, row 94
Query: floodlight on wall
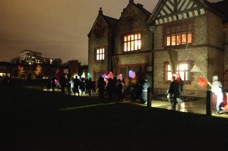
column 196, row 69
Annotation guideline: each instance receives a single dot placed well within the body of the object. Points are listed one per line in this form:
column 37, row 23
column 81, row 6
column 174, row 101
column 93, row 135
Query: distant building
column 75, row 68
column 30, row 57
column 31, row 65
column 5, row 69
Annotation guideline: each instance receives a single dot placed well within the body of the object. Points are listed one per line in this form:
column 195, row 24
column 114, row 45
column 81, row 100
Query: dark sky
column 56, row 28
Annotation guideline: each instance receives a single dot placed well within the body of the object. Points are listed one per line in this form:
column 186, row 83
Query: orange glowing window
column 178, row 34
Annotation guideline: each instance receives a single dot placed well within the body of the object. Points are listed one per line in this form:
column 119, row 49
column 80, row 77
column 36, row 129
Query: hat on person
column 215, row 78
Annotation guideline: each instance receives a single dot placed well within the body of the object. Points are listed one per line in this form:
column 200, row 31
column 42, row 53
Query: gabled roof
column 140, row 7
column 109, row 20
column 174, row 10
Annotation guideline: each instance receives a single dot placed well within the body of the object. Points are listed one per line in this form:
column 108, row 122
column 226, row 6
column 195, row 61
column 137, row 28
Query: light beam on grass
column 85, row 106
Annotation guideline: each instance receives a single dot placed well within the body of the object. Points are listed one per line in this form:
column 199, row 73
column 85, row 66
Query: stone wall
column 215, row 31
column 197, row 53
column 132, row 20
column 206, row 51
column 98, row 42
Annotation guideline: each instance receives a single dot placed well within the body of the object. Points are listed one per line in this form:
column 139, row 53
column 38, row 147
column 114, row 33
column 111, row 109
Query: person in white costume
column 215, row 84
column 216, row 88
column 219, row 94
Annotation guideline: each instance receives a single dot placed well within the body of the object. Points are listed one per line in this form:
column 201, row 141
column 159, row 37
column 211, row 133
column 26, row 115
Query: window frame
column 100, row 54
column 132, row 42
column 178, row 34
column 185, row 74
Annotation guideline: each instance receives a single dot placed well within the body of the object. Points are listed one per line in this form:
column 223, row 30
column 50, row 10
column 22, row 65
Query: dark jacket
column 174, row 89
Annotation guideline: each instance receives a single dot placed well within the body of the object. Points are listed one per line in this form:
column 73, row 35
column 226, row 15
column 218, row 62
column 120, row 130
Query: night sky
column 56, row 28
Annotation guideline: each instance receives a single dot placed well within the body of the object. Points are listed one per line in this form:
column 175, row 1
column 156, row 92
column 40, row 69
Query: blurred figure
column 119, row 88
column 76, row 86
column 82, row 85
column 71, row 84
column 89, row 86
column 48, row 84
column 110, row 88
column 124, row 89
column 219, row 93
column 214, row 86
column 63, row 83
column 53, row 84
column 173, row 92
column 181, row 83
column 135, row 91
column 145, row 86
column 115, row 89
column 101, row 87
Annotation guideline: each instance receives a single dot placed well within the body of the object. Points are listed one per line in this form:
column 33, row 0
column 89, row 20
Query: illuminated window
column 100, row 55
column 178, row 34
column 183, row 69
column 132, row 42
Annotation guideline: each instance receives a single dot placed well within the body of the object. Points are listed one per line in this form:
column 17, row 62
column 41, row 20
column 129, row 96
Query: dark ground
column 32, row 120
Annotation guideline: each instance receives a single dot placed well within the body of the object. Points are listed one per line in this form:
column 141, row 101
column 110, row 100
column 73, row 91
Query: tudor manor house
column 174, row 37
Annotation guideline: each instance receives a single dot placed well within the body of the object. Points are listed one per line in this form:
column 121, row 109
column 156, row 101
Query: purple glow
column 131, row 74
column 105, row 76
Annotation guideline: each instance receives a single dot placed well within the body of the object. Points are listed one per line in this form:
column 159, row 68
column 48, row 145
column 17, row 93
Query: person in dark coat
column 115, row 91
column 173, row 91
column 89, row 86
column 76, row 86
column 53, row 85
column 110, row 88
column 135, row 91
column 63, row 82
column 101, row 87
column 119, row 89
column 48, row 84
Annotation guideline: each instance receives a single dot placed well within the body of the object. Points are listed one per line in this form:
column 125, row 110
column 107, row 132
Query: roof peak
column 100, row 10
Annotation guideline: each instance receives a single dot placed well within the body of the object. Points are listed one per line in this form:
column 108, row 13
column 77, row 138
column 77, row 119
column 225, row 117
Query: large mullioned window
column 178, row 34
column 100, row 54
column 183, row 69
column 132, row 42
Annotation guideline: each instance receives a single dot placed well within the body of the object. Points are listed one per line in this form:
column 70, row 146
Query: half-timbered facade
column 177, row 35
column 187, row 33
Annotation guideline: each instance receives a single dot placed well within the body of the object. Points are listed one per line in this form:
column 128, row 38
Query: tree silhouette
column 38, row 71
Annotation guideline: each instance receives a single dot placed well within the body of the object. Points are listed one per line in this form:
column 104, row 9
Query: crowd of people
column 72, row 86
column 112, row 88
column 218, row 97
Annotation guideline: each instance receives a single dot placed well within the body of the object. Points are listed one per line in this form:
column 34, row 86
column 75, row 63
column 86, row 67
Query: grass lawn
column 32, row 120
